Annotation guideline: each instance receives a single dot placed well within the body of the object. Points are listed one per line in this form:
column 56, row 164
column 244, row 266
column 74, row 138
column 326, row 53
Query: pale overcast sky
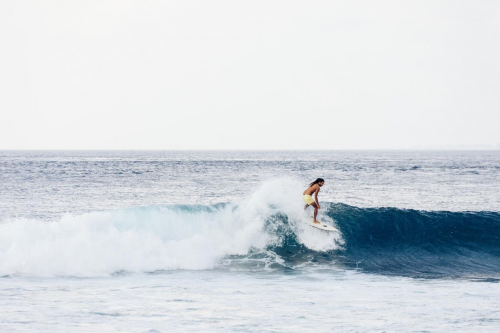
column 248, row 74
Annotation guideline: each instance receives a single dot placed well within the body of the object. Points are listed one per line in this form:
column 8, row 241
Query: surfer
column 308, row 199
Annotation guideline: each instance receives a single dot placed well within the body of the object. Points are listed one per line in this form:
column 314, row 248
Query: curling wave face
column 426, row 244
column 267, row 231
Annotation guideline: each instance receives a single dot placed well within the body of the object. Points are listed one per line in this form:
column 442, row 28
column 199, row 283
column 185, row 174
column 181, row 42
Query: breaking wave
column 266, row 231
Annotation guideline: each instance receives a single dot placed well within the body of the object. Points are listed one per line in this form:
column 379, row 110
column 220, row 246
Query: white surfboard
column 322, row 226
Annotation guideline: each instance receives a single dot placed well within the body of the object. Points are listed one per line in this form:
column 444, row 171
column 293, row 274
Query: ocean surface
column 216, row 241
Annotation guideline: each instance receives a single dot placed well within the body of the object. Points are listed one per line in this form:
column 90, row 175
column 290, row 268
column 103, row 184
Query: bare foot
column 316, row 221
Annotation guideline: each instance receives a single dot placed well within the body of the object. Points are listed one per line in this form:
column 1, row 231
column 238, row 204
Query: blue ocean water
column 160, row 241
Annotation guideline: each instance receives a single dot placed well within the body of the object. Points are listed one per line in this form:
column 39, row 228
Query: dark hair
column 319, row 180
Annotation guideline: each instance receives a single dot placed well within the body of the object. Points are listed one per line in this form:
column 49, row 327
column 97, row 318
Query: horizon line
column 263, row 150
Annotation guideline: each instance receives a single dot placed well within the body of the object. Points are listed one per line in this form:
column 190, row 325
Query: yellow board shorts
column 307, row 199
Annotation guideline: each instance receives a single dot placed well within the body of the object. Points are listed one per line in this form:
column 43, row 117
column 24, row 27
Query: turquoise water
column 216, row 241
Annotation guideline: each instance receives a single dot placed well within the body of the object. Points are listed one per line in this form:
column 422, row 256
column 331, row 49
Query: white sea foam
column 147, row 239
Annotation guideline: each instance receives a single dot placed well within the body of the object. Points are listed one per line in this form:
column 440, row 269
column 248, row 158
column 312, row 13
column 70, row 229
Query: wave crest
column 266, row 231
